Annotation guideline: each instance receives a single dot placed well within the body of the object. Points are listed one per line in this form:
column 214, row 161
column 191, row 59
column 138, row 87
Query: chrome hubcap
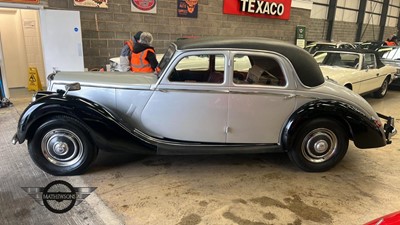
column 319, row 145
column 62, row 147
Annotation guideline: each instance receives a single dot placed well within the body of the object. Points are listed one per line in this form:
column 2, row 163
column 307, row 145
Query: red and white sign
column 274, row 9
column 144, row 6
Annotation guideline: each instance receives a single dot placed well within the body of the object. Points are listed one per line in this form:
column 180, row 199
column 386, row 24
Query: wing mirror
column 72, row 87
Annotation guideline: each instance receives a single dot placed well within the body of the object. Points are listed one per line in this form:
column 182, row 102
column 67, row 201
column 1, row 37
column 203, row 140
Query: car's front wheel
column 381, row 92
column 61, row 146
column 319, row 145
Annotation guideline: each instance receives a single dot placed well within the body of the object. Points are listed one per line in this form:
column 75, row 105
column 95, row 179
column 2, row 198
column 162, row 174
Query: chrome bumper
column 389, row 128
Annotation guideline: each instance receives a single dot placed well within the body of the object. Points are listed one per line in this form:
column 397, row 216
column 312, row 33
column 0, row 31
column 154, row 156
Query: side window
column 199, row 69
column 369, row 61
column 257, row 70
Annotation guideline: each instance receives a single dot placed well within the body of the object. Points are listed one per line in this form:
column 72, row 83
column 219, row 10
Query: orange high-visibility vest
column 139, row 63
column 130, row 44
column 390, row 43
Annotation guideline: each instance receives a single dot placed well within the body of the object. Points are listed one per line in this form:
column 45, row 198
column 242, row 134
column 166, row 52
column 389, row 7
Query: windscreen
column 167, row 57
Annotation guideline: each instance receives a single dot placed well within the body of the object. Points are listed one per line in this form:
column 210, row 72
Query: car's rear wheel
column 319, row 145
column 61, row 146
column 381, row 92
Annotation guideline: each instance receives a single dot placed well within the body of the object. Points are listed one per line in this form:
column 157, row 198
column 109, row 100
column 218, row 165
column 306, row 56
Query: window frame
column 175, row 61
column 278, row 59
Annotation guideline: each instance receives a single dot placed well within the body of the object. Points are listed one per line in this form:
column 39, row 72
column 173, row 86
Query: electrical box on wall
column 301, row 36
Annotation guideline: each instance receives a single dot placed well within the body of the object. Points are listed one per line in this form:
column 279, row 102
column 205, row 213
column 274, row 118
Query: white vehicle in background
column 115, row 63
column 359, row 70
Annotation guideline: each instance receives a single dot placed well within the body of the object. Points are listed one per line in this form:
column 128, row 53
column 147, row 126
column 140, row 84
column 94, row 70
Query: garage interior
column 214, row 189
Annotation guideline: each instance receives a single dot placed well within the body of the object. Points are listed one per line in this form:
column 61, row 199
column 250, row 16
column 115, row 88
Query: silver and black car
column 212, row 96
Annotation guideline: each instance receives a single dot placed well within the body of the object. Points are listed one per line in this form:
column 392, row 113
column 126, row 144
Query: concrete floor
column 224, row 189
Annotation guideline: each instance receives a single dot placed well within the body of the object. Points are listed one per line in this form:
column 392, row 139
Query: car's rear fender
column 362, row 129
column 105, row 130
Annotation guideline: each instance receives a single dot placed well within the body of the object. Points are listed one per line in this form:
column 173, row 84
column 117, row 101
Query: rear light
column 377, row 122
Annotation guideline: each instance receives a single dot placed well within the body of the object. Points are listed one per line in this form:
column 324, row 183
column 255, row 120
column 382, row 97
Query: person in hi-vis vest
column 126, row 52
column 143, row 58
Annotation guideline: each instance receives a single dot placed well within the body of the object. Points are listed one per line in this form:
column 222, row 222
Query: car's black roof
column 306, row 67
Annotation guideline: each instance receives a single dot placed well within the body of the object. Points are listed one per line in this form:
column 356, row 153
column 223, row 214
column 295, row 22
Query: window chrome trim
column 191, row 90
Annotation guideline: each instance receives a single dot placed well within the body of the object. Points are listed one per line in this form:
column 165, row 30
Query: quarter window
column 369, row 61
column 257, row 70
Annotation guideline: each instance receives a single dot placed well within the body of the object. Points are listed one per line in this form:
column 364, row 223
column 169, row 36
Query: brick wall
column 316, row 30
column 104, row 30
column 344, row 31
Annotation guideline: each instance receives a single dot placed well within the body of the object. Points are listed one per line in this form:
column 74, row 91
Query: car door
column 261, row 98
column 190, row 103
column 371, row 79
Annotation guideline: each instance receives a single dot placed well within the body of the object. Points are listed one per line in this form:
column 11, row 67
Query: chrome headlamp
column 34, row 97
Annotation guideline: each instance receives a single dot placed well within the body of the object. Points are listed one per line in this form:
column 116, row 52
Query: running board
column 171, row 147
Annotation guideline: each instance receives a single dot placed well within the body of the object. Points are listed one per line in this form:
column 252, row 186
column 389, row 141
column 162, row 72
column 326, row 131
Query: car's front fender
column 364, row 130
column 106, row 131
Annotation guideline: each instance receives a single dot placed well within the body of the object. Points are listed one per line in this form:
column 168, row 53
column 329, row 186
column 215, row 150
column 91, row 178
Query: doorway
column 21, row 46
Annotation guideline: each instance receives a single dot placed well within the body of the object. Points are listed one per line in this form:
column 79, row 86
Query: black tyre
column 61, row 146
column 319, row 145
column 382, row 91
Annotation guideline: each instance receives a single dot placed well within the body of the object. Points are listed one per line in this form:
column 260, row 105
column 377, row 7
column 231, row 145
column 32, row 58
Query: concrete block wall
column 105, row 30
column 316, row 30
column 370, row 32
column 389, row 31
column 344, row 31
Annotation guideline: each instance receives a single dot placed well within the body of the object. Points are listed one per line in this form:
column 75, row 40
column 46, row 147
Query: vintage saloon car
column 212, row 96
column 359, row 70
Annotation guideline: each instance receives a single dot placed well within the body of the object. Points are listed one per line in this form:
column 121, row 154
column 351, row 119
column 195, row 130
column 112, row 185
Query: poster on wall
column 187, row 8
column 144, row 6
column 22, row 1
column 273, row 9
column 92, row 3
